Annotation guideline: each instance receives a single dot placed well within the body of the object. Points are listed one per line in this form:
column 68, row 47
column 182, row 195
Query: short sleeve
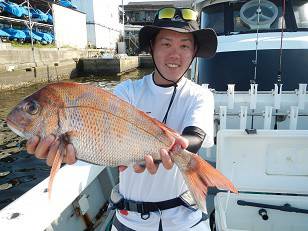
column 122, row 90
column 200, row 114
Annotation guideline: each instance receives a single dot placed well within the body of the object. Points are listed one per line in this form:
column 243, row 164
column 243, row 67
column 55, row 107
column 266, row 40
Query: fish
column 106, row 130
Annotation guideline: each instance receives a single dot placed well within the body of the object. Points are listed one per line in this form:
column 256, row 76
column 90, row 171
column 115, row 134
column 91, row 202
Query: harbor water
column 20, row 171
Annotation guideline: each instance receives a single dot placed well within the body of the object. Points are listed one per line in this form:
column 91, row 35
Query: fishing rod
column 255, row 61
column 279, row 74
column 286, row 207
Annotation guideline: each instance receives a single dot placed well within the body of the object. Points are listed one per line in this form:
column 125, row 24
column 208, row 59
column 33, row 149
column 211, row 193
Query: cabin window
column 300, row 8
column 213, row 17
column 249, row 12
column 228, row 17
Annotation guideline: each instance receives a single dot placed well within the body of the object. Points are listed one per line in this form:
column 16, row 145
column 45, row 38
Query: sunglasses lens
column 189, row 14
column 166, row 13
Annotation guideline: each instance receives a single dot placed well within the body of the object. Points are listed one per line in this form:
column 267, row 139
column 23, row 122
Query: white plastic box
column 269, row 168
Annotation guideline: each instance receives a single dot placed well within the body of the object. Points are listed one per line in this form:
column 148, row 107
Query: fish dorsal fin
column 170, row 133
column 94, row 98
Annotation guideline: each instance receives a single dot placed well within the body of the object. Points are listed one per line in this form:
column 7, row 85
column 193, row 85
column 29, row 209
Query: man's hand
column 47, row 149
column 151, row 166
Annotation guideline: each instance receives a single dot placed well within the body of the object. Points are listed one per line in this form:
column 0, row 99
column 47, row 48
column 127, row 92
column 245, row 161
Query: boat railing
column 240, row 108
column 253, row 110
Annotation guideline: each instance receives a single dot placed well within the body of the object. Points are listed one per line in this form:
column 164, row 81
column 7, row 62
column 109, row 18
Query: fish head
column 37, row 114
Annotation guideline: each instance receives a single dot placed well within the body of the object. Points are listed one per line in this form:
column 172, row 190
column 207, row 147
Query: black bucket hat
column 206, row 38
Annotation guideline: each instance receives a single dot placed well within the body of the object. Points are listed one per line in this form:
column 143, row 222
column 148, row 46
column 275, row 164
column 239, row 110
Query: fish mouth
column 12, row 125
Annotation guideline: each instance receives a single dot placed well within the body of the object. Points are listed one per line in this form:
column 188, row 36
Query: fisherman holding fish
column 164, row 196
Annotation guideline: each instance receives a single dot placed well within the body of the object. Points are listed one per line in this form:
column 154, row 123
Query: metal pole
column 123, row 19
column 30, row 27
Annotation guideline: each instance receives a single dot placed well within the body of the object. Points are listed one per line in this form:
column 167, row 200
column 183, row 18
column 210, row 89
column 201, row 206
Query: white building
column 69, row 27
column 103, row 26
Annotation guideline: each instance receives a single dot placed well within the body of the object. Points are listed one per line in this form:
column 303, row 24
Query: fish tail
column 199, row 175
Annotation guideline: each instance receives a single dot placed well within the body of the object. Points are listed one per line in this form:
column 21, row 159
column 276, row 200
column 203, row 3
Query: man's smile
column 172, row 65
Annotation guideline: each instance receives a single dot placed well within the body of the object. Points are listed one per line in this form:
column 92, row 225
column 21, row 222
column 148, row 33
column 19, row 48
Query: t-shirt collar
column 162, row 89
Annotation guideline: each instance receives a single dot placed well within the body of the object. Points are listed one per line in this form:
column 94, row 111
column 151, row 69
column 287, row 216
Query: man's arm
column 195, row 137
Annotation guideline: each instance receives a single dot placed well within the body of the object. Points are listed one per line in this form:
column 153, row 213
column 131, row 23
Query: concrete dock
column 18, row 68
column 145, row 61
column 108, row 66
column 49, row 73
column 21, row 67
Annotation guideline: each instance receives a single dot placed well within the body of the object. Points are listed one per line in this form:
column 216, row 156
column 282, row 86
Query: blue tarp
column 39, row 15
column 15, row 34
column 35, row 37
column 67, row 4
column 50, row 19
column 52, row 37
column 46, row 37
column 13, row 9
column 2, row 4
column 25, row 11
column 3, row 33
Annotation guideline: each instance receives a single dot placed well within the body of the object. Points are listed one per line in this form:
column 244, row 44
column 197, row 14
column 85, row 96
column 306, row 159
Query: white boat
column 259, row 79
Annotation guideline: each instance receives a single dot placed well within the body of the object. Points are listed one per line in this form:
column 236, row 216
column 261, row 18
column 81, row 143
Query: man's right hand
column 47, row 149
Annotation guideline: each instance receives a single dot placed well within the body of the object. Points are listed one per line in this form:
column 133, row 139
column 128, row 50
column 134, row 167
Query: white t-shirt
column 192, row 106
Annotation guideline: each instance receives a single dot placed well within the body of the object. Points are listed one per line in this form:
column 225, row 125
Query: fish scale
column 92, row 140
column 108, row 131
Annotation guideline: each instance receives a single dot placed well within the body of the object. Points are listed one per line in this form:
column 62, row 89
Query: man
column 154, row 198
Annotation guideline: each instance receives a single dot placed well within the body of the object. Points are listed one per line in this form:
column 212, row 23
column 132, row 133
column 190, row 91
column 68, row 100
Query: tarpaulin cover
column 67, row 4
column 15, row 33
column 3, row 33
column 34, row 36
column 39, row 15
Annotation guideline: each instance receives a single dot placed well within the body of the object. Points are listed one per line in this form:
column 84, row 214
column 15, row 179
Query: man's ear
column 151, row 47
column 196, row 48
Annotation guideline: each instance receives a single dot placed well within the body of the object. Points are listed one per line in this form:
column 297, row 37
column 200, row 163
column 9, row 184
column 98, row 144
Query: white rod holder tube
column 301, row 95
column 253, row 95
column 293, row 118
column 243, row 117
column 277, row 96
column 230, row 94
column 223, row 117
column 268, row 117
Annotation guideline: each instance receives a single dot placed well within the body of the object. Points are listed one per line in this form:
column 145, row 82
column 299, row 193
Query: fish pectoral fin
column 61, row 152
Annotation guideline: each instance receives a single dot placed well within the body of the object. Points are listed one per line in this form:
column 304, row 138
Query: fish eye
column 31, row 107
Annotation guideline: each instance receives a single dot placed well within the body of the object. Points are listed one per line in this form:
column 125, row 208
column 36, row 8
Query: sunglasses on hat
column 171, row 12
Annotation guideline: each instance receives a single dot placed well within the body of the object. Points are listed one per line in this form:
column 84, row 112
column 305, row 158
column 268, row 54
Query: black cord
column 171, row 101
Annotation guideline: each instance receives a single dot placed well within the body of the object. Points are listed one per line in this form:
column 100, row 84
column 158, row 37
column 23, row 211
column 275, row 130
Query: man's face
column 172, row 52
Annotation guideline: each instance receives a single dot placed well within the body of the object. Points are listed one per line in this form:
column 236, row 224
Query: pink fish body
column 106, row 130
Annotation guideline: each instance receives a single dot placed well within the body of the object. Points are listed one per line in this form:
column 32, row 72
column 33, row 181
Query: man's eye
column 166, row 45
